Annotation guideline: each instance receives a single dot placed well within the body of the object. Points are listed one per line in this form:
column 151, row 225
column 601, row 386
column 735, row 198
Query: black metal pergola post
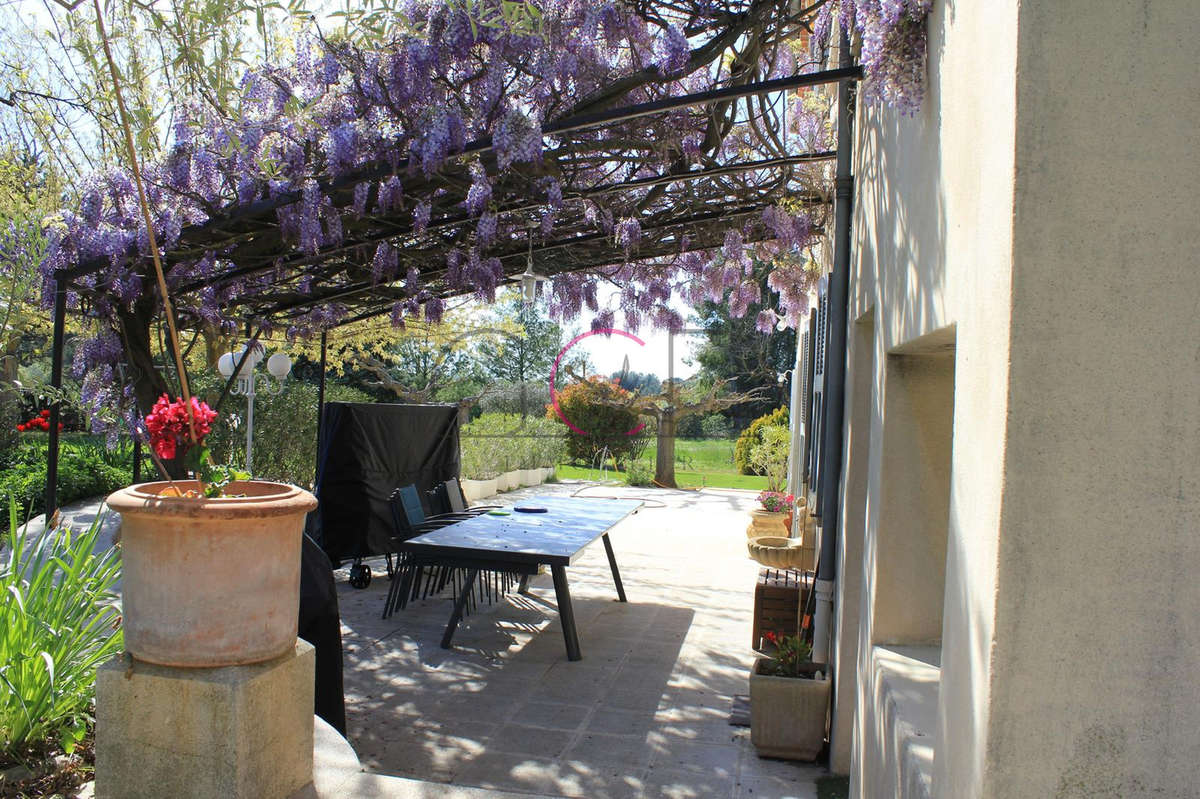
column 56, row 374
column 321, row 394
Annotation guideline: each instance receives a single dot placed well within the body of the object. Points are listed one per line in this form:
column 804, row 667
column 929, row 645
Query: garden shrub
column 752, row 435
column 593, row 406
column 690, row 426
column 769, row 457
column 639, row 473
column 61, row 620
column 85, row 470
column 714, row 426
column 501, row 442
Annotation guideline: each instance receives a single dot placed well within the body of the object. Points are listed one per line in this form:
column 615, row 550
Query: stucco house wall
column 1027, row 441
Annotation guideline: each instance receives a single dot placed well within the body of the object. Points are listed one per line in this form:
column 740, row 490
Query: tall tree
column 739, row 352
column 526, row 354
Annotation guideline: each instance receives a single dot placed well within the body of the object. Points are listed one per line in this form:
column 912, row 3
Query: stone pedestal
column 234, row 732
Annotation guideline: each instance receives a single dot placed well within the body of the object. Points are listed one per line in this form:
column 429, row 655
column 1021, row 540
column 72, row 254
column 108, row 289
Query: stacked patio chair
column 411, row 581
column 448, row 498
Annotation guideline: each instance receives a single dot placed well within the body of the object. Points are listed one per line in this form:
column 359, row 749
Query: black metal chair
column 410, row 580
column 409, row 521
column 448, row 498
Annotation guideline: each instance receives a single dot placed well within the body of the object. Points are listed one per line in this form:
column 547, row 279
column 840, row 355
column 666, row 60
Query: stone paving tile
column 645, row 713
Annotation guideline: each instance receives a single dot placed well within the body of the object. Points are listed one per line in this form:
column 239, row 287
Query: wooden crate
column 778, row 598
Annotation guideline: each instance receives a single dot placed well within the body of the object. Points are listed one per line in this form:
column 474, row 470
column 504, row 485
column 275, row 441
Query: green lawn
column 698, row 462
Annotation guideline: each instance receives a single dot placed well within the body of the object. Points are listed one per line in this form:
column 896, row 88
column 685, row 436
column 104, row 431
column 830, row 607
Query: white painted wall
column 1044, row 208
column 933, row 252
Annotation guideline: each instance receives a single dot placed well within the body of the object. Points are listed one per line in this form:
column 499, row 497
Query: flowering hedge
column 40, row 422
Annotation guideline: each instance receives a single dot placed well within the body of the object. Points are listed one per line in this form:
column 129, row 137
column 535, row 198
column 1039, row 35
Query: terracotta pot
column 211, row 582
column 787, row 714
column 764, row 522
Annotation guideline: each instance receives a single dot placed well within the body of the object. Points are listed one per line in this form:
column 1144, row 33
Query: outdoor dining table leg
column 456, row 615
column 565, row 612
column 612, row 562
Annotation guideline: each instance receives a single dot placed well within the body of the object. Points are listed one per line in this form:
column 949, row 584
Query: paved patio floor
column 645, row 713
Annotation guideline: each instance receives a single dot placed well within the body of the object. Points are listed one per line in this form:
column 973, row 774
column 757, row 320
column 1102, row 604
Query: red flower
column 168, row 426
column 45, row 414
column 60, row 425
column 20, row 428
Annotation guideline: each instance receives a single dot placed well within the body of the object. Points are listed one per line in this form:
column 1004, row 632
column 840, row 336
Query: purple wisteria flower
column 517, row 139
column 674, row 51
column 407, row 109
column 421, row 216
column 629, row 234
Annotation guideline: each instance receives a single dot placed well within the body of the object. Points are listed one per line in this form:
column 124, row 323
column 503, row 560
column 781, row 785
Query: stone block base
column 238, row 732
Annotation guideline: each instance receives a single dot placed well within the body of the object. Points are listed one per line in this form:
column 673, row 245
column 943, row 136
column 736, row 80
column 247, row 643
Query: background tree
column 678, row 401
column 524, row 355
column 28, row 191
column 638, row 382
column 749, row 359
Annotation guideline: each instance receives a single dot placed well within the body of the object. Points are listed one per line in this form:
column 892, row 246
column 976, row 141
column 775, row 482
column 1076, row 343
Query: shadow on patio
column 645, row 713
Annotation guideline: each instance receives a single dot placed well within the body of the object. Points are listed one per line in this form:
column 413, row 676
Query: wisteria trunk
column 148, row 382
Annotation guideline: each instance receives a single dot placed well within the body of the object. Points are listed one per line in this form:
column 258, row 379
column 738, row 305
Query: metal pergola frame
column 596, row 249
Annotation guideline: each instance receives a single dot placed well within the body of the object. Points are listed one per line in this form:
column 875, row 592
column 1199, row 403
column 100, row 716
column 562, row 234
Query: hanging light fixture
column 529, row 278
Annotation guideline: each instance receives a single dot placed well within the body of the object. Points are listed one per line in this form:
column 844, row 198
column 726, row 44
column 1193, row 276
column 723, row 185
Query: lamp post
column 248, row 384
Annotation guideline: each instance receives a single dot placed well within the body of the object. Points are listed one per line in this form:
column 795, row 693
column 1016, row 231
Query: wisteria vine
column 305, row 132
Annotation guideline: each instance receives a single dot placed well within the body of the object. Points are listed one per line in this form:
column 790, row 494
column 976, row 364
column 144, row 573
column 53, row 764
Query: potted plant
column 211, row 566
column 530, row 474
column 789, row 701
column 478, row 477
column 773, row 516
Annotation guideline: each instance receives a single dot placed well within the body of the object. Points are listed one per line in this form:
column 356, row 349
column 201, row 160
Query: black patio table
column 521, row 542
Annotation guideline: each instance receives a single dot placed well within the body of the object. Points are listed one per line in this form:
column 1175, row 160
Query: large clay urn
column 211, row 582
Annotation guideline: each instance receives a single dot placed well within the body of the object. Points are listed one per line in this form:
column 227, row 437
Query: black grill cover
column 367, row 451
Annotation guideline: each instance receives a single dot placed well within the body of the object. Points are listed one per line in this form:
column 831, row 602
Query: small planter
column 787, row 714
column 780, row 552
column 509, row 480
column 487, row 488
column 211, row 582
column 531, row 477
column 764, row 522
column 547, row 473
column 471, row 489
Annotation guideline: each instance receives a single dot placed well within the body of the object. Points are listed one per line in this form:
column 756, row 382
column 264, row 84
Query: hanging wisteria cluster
column 894, row 46
column 357, row 181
